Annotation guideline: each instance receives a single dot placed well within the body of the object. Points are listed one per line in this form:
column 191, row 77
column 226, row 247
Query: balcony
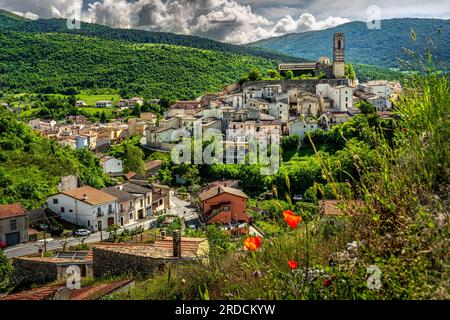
column 100, row 214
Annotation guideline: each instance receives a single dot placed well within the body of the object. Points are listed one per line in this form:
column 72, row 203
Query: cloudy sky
column 235, row 21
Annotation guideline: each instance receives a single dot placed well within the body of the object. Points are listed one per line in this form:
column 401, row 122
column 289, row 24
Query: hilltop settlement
column 138, row 224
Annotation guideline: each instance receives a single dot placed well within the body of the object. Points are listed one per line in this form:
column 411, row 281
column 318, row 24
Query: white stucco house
column 300, row 127
column 111, row 165
column 86, row 207
column 342, row 96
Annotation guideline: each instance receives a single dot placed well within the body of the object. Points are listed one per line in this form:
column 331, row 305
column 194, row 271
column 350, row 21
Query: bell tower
column 338, row 55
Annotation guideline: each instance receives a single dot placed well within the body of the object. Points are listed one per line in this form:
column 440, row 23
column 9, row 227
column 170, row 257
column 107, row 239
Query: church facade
column 335, row 70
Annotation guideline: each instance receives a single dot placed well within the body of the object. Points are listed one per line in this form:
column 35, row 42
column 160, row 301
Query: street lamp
column 44, row 227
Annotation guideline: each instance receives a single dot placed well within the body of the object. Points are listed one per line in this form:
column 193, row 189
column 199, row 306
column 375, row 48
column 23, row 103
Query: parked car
column 81, row 233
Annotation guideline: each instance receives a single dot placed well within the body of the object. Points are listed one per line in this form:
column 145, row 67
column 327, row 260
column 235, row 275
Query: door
column 110, row 221
column 12, row 239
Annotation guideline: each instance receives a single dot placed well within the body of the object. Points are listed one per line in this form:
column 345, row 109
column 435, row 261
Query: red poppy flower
column 252, row 243
column 293, row 264
column 327, row 283
column 291, row 219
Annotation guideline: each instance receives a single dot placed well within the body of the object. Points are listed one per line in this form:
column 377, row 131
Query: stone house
column 13, row 224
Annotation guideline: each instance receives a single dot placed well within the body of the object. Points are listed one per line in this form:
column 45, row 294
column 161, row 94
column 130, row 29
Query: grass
column 91, row 99
column 93, row 111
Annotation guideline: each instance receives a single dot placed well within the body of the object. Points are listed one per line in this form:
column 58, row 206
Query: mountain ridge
column 135, row 36
column 379, row 47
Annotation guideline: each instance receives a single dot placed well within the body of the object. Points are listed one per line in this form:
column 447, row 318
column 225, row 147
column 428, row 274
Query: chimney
column 85, row 197
column 177, row 243
column 163, row 233
column 218, row 190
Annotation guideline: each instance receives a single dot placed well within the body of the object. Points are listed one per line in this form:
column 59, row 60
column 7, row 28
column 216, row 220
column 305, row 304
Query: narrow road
column 183, row 209
column 52, row 244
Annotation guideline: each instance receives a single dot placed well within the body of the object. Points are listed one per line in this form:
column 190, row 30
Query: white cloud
column 27, row 15
column 223, row 20
column 42, row 8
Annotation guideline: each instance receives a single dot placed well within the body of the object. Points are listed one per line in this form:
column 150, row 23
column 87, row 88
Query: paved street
column 52, row 244
column 184, row 209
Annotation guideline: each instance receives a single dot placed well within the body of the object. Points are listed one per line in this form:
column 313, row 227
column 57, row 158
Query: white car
column 82, row 233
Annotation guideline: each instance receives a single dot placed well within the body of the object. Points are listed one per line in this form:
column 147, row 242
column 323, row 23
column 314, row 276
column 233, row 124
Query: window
column 131, row 216
column 89, row 223
column 160, row 202
column 99, row 210
column 109, row 208
column 13, row 224
column 55, row 201
column 63, row 209
column 121, row 207
column 142, row 202
column 226, row 208
column 70, row 210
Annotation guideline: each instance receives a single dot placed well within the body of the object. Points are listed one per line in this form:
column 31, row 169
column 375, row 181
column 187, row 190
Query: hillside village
column 138, row 203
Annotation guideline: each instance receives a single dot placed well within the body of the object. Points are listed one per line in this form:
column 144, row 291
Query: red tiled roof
column 11, row 210
column 88, row 293
column 153, row 164
column 94, row 196
column 98, row 291
column 216, row 190
column 42, row 293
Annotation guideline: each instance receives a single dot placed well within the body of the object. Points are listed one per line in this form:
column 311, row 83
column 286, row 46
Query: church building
column 323, row 65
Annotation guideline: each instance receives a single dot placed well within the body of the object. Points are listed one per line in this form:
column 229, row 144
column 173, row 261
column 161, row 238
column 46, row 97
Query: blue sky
column 235, row 21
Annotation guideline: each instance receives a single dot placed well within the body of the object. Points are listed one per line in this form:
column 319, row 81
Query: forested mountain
column 12, row 22
column 377, row 47
column 51, row 63
column 44, row 56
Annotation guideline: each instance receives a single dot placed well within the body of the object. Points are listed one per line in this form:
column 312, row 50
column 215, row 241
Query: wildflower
column 291, row 219
column 293, row 264
column 252, row 243
column 327, row 282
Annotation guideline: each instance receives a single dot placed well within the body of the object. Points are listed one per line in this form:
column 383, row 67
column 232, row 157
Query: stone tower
column 338, row 55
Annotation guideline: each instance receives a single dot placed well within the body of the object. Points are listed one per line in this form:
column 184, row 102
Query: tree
column 134, row 159
column 289, row 75
column 367, row 108
column 192, row 176
column 273, row 74
column 64, row 241
column 5, row 271
column 112, row 229
column 103, row 118
column 254, row 75
column 350, row 72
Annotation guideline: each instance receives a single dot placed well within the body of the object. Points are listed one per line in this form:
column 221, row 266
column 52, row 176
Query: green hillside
column 52, row 63
column 31, row 166
column 44, row 56
column 380, row 47
column 131, row 35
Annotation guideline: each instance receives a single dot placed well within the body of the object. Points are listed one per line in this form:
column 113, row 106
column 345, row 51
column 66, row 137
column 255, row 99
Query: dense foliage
column 15, row 23
column 31, row 166
column 53, row 63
